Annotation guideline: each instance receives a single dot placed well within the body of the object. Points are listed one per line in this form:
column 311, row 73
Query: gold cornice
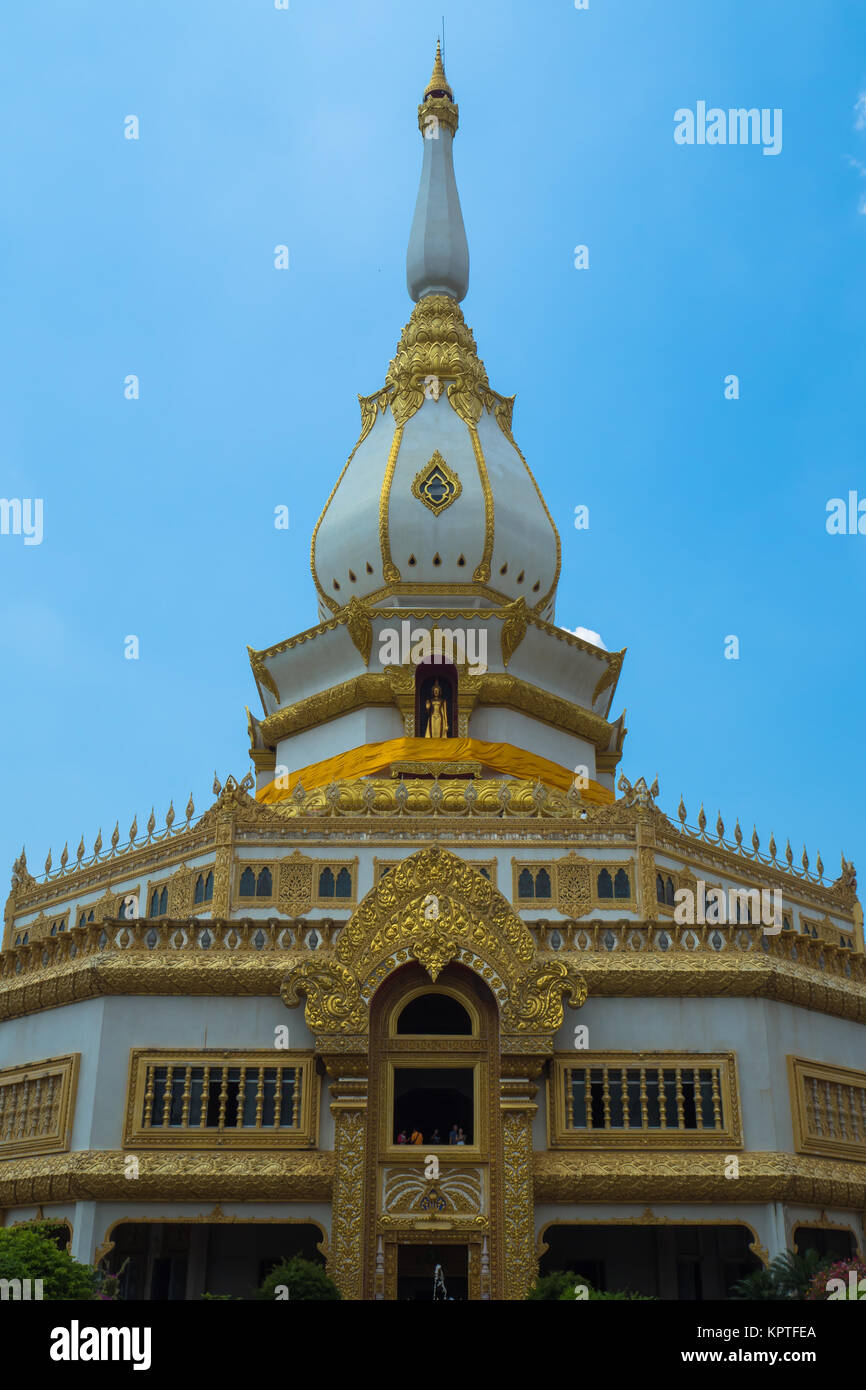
column 648, row 972
column 662, row 1176
column 494, row 688
column 225, row 1176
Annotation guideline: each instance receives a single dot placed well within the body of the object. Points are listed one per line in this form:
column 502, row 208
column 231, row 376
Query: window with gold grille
column 240, row 1099
column 828, row 1107
column 36, row 1106
column 633, row 1100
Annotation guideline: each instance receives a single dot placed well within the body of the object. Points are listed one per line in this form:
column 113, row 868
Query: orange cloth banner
column 375, row 757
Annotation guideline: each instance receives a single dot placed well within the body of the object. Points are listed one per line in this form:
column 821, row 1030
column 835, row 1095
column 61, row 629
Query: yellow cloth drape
column 375, row 757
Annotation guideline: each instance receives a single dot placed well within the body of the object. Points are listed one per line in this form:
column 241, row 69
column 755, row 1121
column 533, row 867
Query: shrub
column 306, row 1282
column 559, row 1286
column 30, row 1252
column 789, row 1276
column 840, row 1270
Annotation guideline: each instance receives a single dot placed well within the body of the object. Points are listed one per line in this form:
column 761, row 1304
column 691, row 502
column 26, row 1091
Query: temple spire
column 437, row 261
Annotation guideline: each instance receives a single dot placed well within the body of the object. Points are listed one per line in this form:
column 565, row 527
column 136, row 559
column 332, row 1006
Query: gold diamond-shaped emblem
column 437, row 485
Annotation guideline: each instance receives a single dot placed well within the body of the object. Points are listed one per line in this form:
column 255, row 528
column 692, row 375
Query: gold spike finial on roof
column 438, row 83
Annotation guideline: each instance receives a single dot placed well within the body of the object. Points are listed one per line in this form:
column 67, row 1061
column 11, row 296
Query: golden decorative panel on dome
column 437, row 485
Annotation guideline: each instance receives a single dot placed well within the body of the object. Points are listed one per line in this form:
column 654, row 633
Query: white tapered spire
column 437, row 261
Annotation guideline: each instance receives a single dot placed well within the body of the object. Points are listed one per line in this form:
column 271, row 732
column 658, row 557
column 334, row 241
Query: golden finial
column 48, row 863
column 190, row 809
column 115, row 836
column 169, row 816
column 756, row 844
column 217, row 788
column 772, row 846
column 64, row 858
column 738, row 834
column 133, row 829
column 97, row 844
column 789, row 854
column 438, row 84
column 151, row 823
column 805, row 860
column 819, row 865
column 681, row 811
column 79, row 853
column 702, row 819
column 720, row 827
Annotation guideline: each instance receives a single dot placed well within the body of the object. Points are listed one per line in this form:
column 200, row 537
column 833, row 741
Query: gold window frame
column 561, row 1136
column 802, row 1070
column 137, row 1135
column 335, row 865
column 455, row 1058
column 59, row 1140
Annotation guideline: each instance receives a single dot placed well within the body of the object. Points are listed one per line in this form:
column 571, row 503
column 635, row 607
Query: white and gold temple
column 428, row 911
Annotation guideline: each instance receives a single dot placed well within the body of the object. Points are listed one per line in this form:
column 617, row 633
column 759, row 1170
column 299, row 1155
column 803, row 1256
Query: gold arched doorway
column 433, row 918
column 435, row 1202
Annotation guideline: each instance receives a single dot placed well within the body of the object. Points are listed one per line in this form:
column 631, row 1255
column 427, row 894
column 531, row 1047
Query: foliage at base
column 31, row 1252
column 304, row 1280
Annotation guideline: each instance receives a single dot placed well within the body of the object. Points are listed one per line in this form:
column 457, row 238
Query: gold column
column 222, row 874
column 349, row 1109
column 647, row 903
column 520, row 1260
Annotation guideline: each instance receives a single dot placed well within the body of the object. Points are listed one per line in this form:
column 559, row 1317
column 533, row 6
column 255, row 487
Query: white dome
column 436, row 499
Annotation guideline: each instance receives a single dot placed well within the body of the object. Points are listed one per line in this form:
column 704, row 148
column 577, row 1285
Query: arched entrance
column 435, row 1080
column 433, row 923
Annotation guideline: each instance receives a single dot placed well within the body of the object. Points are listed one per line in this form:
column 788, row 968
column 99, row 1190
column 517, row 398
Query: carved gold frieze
column 457, row 1191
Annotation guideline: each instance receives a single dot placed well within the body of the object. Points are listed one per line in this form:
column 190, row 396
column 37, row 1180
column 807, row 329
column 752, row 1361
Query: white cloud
column 860, row 110
column 862, row 207
column 856, row 164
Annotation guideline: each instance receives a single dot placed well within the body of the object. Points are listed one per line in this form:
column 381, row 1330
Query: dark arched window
column 153, row 910
column 344, row 884
column 669, row 892
column 326, row 883
column 248, row 884
column 660, row 888
column 605, row 885
column 435, row 1013
column 621, row 885
column 208, row 887
column 199, row 889
column 542, row 884
column 264, row 885
column 163, row 902
column 525, row 885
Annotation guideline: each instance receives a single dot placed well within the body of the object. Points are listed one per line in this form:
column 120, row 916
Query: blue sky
column 259, row 127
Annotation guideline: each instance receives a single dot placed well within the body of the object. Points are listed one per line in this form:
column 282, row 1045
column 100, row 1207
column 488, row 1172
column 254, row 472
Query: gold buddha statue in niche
column 437, row 713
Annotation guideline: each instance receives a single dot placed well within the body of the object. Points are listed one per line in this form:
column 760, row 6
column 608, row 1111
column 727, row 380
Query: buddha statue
column 437, row 714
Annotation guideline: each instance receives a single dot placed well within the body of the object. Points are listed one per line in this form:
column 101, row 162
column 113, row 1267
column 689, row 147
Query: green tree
column 788, row 1276
column 305, row 1281
column 31, row 1252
